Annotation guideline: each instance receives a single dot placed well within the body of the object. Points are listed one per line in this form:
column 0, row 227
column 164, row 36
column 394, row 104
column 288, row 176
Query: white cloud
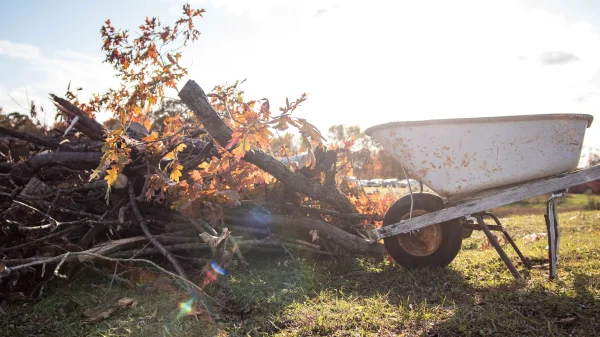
column 52, row 75
column 270, row 10
column 19, row 50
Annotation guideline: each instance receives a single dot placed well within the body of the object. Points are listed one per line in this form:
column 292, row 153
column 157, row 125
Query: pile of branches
column 54, row 219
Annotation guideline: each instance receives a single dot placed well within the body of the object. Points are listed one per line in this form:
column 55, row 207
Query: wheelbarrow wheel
column 432, row 246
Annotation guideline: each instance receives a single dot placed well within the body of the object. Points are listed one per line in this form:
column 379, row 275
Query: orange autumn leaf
column 152, row 51
column 151, row 137
column 196, row 175
column 243, row 147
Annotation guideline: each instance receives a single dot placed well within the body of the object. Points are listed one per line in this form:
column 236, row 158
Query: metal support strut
column 508, row 238
column 496, row 245
column 552, row 226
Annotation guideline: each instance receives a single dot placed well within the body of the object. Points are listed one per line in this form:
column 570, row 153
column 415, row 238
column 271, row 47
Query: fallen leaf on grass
column 487, row 244
column 534, row 237
column 568, row 320
column 109, row 307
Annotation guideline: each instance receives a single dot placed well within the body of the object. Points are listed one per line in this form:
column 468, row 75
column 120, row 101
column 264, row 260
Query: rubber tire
column 451, row 233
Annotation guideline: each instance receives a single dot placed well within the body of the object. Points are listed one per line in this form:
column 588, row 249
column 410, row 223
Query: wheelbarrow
column 473, row 165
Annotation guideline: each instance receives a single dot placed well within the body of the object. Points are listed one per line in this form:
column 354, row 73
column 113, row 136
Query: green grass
column 537, row 205
column 474, row 296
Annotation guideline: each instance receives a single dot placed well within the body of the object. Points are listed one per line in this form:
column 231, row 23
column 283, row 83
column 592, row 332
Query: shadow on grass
column 338, row 296
column 534, row 312
column 358, row 297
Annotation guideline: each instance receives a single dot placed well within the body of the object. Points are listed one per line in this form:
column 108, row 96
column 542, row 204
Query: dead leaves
column 314, row 234
column 487, row 244
column 107, row 308
column 534, row 237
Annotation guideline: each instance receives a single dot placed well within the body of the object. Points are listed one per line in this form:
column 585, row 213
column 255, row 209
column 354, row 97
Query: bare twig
column 151, row 238
column 29, row 243
column 198, row 159
column 113, row 276
column 56, row 222
column 142, row 195
column 56, row 273
column 73, row 256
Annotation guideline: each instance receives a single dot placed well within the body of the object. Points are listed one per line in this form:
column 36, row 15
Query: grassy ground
column 474, row 296
column 537, row 205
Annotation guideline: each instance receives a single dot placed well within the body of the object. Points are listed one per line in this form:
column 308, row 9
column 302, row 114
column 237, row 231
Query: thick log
column 49, row 143
column 195, row 98
column 72, row 160
column 284, row 224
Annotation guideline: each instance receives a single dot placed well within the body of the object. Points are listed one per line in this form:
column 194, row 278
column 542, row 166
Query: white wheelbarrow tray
column 462, row 156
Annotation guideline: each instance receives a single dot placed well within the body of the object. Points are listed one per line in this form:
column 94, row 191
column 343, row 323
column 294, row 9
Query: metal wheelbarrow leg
column 497, row 246
column 552, row 225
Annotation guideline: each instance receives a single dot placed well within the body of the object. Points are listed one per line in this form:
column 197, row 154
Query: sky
column 362, row 63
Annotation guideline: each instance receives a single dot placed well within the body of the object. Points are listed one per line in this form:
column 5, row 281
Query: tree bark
column 195, row 98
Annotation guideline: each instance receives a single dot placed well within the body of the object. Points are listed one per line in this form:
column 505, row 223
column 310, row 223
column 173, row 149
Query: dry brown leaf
column 568, row 320
column 534, row 237
column 109, row 307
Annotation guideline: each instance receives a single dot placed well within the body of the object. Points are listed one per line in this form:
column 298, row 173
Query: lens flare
column 217, row 268
column 261, row 215
column 210, row 277
column 185, row 308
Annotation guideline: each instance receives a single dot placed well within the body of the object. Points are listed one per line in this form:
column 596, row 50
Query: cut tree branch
column 195, row 98
column 72, row 160
column 49, row 143
column 85, row 124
